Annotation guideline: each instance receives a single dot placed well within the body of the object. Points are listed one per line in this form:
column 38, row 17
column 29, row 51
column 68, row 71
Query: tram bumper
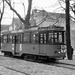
column 60, row 55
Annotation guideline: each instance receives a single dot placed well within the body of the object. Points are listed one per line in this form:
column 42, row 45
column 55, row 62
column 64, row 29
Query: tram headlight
column 59, row 52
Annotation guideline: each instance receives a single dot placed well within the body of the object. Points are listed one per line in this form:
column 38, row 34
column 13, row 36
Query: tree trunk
column 27, row 23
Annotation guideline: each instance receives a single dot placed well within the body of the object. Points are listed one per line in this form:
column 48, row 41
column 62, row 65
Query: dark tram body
column 42, row 42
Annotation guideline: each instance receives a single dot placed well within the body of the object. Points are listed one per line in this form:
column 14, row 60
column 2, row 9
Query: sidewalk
column 66, row 61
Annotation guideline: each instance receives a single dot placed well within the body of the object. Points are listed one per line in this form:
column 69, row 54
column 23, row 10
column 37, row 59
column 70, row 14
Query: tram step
column 17, row 53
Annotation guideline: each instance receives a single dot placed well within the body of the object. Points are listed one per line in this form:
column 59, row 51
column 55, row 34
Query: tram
column 36, row 43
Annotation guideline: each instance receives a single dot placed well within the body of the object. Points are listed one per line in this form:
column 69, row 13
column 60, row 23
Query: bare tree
column 27, row 18
column 1, row 16
column 1, row 12
column 71, row 7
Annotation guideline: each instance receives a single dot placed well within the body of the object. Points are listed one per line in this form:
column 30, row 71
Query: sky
column 48, row 5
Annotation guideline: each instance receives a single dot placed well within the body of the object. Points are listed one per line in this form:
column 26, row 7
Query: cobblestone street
column 13, row 66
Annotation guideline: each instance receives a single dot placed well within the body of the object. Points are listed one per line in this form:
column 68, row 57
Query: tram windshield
column 56, row 37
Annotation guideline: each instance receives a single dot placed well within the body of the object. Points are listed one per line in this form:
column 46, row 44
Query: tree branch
column 27, row 18
column 61, row 5
column 2, row 12
column 15, row 11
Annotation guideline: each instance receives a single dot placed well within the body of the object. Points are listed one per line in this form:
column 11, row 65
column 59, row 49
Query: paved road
column 63, row 61
column 11, row 66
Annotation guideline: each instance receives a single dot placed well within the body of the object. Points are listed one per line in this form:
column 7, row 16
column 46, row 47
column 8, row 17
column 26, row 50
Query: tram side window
column 50, row 38
column 9, row 38
column 1, row 38
column 45, row 39
column 18, row 39
column 41, row 38
column 26, row 37
column 34, row 38
column 60, row 37
column 4, row 38
column 55, row 38
column 13, row 39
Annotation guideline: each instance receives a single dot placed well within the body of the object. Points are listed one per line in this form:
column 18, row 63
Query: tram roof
column 58, row 28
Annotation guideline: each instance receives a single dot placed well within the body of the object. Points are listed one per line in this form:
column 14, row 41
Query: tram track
column 14, row 70
column 62, row 65
column 57, row 64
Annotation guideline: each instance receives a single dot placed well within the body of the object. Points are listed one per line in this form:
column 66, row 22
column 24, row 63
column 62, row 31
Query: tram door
column 43, row 42
column 14, row 43
column 17, row 44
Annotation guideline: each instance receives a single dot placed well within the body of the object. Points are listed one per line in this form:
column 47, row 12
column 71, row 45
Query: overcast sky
column 48, row 5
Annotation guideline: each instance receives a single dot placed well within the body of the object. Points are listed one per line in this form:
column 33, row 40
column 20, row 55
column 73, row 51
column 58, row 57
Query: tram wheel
column 9, row 54
column 5, row 54
column 25, row 57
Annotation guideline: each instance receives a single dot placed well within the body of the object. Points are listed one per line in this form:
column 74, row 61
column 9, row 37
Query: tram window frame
column 43, row 37
column 4, row 40
column 9, row 40
column 26, row 37
column 18, row 39
column 62, row 37
column 55, row 37
column 35, row 37
column 50, row 37
column 1, row 38
column 13, row 39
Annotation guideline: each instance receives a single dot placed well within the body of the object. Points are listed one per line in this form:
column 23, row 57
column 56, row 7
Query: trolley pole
column 68, row 41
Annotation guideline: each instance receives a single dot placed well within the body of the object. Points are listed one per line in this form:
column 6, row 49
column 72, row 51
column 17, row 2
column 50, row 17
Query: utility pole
column 0, row 28
column 68, row 41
